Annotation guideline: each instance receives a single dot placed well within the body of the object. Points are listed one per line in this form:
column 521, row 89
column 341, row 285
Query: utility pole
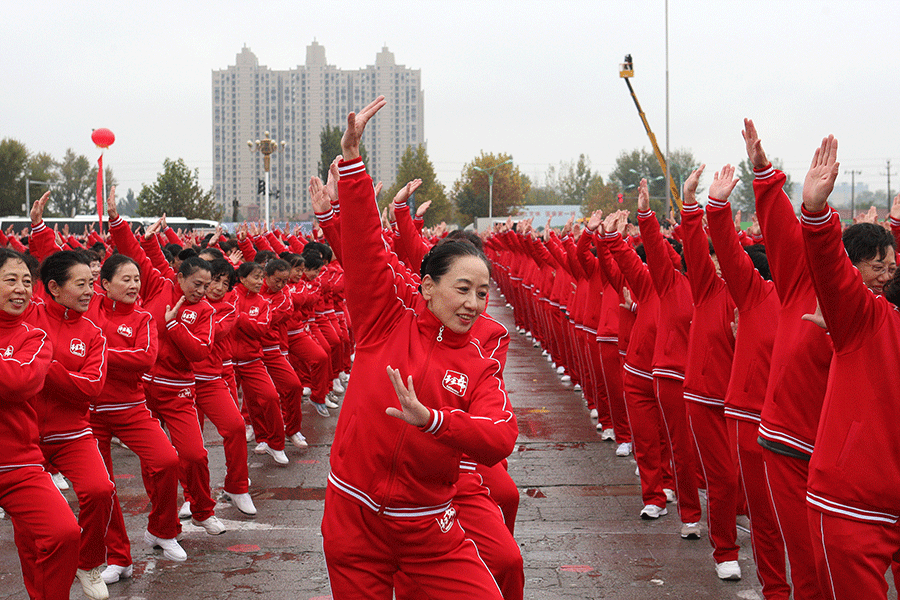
column 853, row 175
column 889, row 185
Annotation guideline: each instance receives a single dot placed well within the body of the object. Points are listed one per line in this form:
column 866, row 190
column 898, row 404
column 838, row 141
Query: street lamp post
column 28, row 183
column 490, row 172
column 267, row 147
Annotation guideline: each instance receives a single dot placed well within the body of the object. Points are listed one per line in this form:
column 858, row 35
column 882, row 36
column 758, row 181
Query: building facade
column 249, row 100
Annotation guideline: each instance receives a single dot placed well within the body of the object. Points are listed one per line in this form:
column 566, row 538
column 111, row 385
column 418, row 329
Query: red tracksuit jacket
column 379, row 461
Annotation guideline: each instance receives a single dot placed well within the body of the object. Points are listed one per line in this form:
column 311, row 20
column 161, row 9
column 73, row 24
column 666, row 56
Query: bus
column 79, row 224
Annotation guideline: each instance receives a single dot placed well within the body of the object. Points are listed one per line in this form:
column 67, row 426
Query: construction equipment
column 626, row 72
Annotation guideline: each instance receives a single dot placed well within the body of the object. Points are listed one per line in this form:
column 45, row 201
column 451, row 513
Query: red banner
column 100, row 195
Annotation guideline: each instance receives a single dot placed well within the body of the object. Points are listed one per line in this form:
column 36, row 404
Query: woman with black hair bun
column 46, row 532
column 396, row 458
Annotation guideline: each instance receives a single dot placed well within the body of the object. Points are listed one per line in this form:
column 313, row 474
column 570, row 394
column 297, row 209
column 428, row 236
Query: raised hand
column 317, row 196
column 412, row 411
column 595, row 221
column 610, row 222
column 153, row 229
column 37, row 209
column 723, row 184
column 334, row 175
column 356, row 125
column 406, row 191
column 111, row 211
column 422, row 208
column 895, row 208
column 378, row 187
column 643, row 203
column 822, row 173
column 735, row 323
column 690, row 186
column 816, row 318
column 754, row 146
column 754, row 229
column 626, row 299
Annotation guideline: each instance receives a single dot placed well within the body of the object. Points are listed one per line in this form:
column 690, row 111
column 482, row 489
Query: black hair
column 187, row 253
column 228, row 245
column 642, row 254
column 219, row 267
column 215, row 252
column 441, row 257
column 462, row 234
column 56, row 266
column 168, row 256
column 192, row 265
column 757, row 253
column 264, row 256
column 113, row 263
column 314, row 248
column 865, row 241
column 892, row 289
column 34, row 265
column 6, row 254
column 313, row 260
column 275, row 265
column 248, row 268
column 99, row 248
column 90, row 254
column 173, row 249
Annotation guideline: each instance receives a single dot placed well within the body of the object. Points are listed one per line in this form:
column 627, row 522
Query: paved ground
column 577, row 526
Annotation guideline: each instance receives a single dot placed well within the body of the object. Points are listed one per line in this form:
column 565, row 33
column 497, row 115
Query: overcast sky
column 536, row 79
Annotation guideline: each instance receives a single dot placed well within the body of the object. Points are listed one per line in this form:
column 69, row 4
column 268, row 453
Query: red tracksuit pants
column 482, row 521
column 786, row 482
column 851, row 556
column 46, row 533
column 609, row 368
column 717, row 460
column 670, row 394
column 215, row 400
column 310, row 361
column 647, row 434
column 290, row 390
column 765, row 538
column 142, row 434
column 363, row 551
column 503, row 491
column 80, row 461
column 174, row 407
column 262, row 401
column 332, row 345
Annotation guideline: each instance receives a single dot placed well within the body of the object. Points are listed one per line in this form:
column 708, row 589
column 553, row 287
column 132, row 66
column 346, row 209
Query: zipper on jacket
column 440, row 335
column 393, row 474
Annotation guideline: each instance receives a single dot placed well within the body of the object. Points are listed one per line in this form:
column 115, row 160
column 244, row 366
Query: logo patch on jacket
column 456, row 382
column 189, row 317
column 125, row 330
column 8, row 352
column 254, row 311
column 445, row 521
column 77, row 347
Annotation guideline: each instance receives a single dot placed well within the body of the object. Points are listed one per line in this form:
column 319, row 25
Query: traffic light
column 260, row 186
column 621, row 198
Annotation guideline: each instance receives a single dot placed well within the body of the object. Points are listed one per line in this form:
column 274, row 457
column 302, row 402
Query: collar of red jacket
column 432, row 327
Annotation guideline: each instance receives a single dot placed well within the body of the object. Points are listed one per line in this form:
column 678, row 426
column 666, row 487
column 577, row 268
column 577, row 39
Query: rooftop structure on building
column 295, row 106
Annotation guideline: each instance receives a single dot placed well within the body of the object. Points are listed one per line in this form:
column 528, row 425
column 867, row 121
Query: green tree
column 13, row 163
column 128, row 206
column 330, row 146
column 543, row 195
column 742, row 198
column 415, row 164
column 574, row 179
column 632, row 166
column 471, row 194
column 77, row 185
column 177, row 192
column 600, row 196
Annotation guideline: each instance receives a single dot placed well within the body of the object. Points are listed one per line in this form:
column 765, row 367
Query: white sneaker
column 528, row 334
column 171, row 549
column 248, row 433
column 344, row 377
column 185, row 511
column 336, row 386
column 608, row 434
column 242, row 502
column 298, row 440
column 60, row 482
column 322, row 410
column 594, row 414
column 544, row 353
column 690, row 531
column 93, row 585
column 330, row 401
column 670, row 495
column 212, row 525
column 278, row 455
column 113, row 573
column 577, row 387
column 560, row 370
column 624, row 449
column 565, row 378
column 729, row 570
column 651, row 511
column 307, row 392
column 261, row 448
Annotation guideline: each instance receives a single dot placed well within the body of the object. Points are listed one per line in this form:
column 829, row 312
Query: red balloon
column 103, row 137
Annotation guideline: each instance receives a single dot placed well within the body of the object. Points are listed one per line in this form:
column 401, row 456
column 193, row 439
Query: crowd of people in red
column 750, row 365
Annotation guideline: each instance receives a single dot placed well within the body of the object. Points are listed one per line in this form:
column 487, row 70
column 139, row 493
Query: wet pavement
column 578, row 525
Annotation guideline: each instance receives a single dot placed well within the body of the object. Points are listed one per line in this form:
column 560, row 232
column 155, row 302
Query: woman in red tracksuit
column 254, row 321
column 388, row 504
column 184, row 324
column 46, row 532
column 121, row 411
column 76, row 376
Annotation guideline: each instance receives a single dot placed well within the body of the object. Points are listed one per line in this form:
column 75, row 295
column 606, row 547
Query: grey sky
column 538, row 80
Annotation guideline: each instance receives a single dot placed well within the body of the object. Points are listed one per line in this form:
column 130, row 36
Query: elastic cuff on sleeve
column 437, row 419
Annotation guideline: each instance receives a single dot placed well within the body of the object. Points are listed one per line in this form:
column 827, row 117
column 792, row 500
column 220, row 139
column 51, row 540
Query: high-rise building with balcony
column 295, row 106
